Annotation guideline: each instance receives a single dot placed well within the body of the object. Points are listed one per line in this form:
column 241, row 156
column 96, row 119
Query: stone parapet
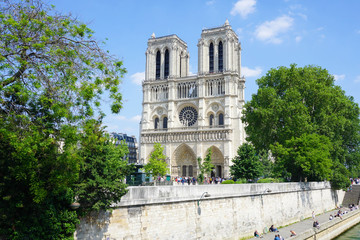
column 230, row 212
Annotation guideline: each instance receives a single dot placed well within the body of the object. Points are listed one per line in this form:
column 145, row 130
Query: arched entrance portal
column 183, row 162
column 217, row 158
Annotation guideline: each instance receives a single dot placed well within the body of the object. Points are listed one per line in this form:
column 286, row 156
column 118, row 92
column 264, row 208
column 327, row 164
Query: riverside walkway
column 304, row 229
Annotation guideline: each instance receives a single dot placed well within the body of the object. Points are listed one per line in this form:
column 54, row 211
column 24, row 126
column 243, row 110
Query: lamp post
column 268, row 190
column 204, row 195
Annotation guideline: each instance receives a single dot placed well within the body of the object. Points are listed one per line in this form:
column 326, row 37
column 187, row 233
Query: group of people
column 185, row 180
column 193, row 180
column 277, row 236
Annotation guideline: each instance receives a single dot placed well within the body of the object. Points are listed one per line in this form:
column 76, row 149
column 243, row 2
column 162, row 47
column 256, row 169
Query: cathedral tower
column 190, row 114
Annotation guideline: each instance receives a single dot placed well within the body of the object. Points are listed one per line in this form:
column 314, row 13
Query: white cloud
column 210, row 2
column 136, row 118
column 339, row 77
column 357, row 79
column 298, row 38
column 269, row 31
column 119, row 117
column 138, row 77
column 248, row 72
column 239, row 31
column 243, row 8
column 358, row 31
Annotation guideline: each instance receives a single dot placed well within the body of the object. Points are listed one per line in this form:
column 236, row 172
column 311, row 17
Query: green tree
column 52, row 76
column 294, row 102
column 102, row 170
column 306, row 157
column 157, row 165
column 205, row 167
column 247, row 163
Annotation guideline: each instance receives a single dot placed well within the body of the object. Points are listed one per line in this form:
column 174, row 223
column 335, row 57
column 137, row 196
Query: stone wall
column 230, row 212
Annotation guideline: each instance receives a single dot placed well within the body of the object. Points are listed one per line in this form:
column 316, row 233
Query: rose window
column 188, row 116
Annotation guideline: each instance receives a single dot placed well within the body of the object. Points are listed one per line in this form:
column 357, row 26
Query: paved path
column 299, row 227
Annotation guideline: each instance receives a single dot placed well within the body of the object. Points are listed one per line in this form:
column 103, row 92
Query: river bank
column 329, row 229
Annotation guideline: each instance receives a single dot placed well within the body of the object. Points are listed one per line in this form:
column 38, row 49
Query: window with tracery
column 156, row 123
column 220, row 59
column 158, row 64
column 159, row 92
column 211, row 57
column 165, row 122
column 167, row 61
column 221, row 119
column 187, row 90
column 211, row 120
column 188, row 116
column 215, row 87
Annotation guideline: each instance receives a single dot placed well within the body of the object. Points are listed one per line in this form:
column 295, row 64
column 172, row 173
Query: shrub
column 269, row 180
column 241, row 181
column 228, row 182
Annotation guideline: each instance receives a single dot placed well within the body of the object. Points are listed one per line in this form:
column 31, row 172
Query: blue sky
column 272, row 33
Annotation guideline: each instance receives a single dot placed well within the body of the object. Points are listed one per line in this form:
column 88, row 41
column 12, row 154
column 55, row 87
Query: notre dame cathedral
column 188, row 114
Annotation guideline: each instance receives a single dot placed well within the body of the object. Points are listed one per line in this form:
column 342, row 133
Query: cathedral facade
column 188, row 114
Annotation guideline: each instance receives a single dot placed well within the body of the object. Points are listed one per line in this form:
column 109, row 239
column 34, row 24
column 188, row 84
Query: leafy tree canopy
column 205, row 167
column 294, row 103
column 157, row 165
column 305, row 157
column 52, row 76
column 247, row 163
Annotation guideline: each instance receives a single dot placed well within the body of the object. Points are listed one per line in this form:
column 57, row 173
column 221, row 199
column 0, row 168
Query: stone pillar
column 239, row 60
column 216, row 57
column 162, row 64
column 201, row 56
column 226, row 54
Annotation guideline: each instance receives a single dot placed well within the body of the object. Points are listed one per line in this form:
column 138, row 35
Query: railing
column 185, row 128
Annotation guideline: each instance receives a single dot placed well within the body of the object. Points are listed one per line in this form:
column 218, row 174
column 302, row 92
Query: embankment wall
column 230, row 212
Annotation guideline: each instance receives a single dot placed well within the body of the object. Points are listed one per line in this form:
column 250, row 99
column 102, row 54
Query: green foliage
column 294, row 103
column 157, row 165
column 52, row 76
column 340, row 179
column 103, row 170
column 201, row 176
column 247, row 163
column 305, row 157
column 241, row 181
column 269, row 180
column 228, row 182
column 205, row 167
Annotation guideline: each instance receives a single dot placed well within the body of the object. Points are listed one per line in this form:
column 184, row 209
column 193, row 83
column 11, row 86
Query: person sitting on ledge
column 257, row 235
column 273, row 229
column 277, row 237
column 316, row 224
column 292, row 233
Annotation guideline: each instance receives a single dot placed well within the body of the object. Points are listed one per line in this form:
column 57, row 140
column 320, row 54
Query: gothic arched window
column 166, row 69
column 221, row 119
column 165, row 120
column 156, row 124
column 220, row 57
column 158, row 63
column 211, row 120
column 211, row 57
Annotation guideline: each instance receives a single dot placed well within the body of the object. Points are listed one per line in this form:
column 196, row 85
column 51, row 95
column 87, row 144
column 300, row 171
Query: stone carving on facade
column 215, row 107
